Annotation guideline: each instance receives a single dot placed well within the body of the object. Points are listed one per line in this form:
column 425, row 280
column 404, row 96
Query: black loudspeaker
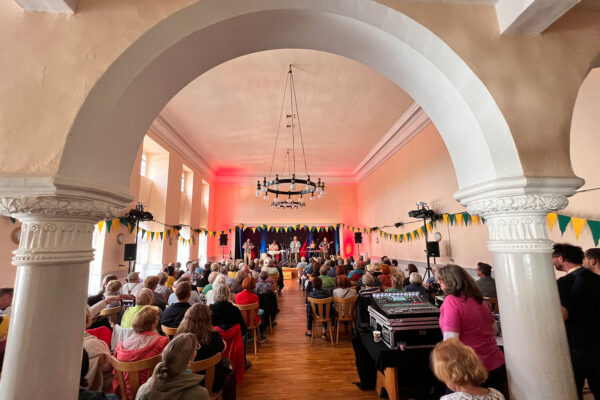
column 433, row 249
column 357, row 237
column 130, row 252
column 223, row 239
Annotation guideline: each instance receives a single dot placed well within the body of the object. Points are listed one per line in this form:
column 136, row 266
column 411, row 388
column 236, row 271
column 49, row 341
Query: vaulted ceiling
column 229, row 115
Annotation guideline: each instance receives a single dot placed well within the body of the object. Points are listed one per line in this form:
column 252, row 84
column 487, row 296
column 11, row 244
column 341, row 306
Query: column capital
column 57, row 218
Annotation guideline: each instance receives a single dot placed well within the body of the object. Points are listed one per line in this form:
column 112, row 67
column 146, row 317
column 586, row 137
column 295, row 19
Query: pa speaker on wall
column 433, row 249
column 223, row 239
column 358, row 237
column 130, row 252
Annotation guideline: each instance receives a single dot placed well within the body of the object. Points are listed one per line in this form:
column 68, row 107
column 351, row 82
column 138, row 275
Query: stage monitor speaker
column 130, row 252
column 433, row 249
column 223, row 239
column 358, row 237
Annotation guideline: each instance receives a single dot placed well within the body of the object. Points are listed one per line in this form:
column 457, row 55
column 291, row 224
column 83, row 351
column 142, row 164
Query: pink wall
column 421, row 170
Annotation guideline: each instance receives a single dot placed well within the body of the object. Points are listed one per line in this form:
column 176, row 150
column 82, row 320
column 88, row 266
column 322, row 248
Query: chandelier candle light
column 289, row 190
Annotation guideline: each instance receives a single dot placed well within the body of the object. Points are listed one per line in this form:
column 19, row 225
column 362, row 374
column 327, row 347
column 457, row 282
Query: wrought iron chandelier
column 289, row 190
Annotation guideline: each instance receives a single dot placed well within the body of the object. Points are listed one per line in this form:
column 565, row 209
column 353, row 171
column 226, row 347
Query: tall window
column 143, row 165
column 95, row 279
column 183, row 249
column 182, row 182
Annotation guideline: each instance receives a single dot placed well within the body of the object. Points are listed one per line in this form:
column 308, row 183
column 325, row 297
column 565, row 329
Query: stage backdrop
column 262, row 238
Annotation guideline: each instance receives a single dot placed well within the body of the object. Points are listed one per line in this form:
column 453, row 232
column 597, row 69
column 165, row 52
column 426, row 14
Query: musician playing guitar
column 324, row 247
column 247, row 247
column 295, row 249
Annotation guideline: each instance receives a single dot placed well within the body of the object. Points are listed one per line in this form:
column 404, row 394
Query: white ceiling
column 229, row 114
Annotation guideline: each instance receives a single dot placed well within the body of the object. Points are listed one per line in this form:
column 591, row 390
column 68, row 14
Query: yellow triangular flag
column 476, row 220
column 420, row 231
column 552, row 217
column 578, row 224
column 100, row 226
column 445, row 218
column 429, row 226
column 459, row 218
column 412, row 235
column 148, row 234
column 115, row 224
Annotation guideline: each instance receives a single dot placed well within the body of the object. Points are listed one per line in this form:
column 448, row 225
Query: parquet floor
column 288, row 367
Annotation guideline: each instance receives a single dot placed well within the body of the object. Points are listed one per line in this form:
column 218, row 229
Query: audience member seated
column 158, row 299
column 219, row 280
column 332, row 271
column 170, row 271
column 264, row 285
column 144, row 343
column 461, row 370
column 344, row 290
column 368, row 284
column 171, row 378
column 375, row 270
column 348, row 265
column 197, row 321
column 236, row 285
column 203, row 281
column 246, row 296
column 326, row 281
column 357, row 272
column 416, row 284
column 97, row 297
column 316, row 293
column 271, row 268
column 410, row 268
column 173, row 315
column 133, row 284
column 179, row 274
column 360, row 283
column 486, row 283
column 465, row 316
column 397, row 282
column 192, row 274
column 85, row 394
column 224, row 271
column 385, row 278
column 301, row 266
column 113, row 289
column 144, row 298
column 99, row 374
column 211, row 278
column 194, row 295
column 162, row 287
column 340, row 270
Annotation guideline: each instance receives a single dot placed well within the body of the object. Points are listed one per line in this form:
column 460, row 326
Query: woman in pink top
column 465, row 316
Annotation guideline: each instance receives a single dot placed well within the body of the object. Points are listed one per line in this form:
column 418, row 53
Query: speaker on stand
column 358, row 240
column 223, row 243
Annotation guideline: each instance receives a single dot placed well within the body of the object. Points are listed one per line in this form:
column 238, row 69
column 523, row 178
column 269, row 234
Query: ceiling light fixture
column 291, row 188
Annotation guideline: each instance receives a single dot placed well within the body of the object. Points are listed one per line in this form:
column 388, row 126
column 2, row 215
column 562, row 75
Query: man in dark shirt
column 316, row 293
column 486, row 283
column 582, row 322
column 173, row 315
column 566, row 258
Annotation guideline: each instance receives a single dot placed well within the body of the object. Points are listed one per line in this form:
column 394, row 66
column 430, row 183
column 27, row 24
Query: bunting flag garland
column 552, row 217
column 563, row 221
column 100, row 225
column 578, row 224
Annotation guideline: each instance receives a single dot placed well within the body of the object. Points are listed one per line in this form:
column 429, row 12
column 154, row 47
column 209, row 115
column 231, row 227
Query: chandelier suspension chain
column 292, row 97
column 278, row 127
column 293, row 88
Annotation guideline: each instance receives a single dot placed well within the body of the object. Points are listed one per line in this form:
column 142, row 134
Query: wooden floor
column 288, row 367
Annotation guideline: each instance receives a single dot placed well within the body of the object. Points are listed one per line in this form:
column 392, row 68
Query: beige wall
column 420, row 171
column 8, row 272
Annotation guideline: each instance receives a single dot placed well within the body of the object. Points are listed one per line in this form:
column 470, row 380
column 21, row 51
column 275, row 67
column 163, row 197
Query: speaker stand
column 223, row 252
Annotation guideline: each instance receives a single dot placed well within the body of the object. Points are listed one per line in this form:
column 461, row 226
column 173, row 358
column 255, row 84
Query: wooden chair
column 321, row 310
column 493, row 303
column 208, row 366
column 112, row 313
column 168, row 331
column 345, row 310
column 275, row 278
column 133, row 369
column 249, row 312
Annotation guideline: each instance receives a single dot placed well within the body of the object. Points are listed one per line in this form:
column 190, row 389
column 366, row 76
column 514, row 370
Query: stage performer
column 324, row 247
column 274, row 250
column 295, row 249
column 247, row 247
column 312, row 249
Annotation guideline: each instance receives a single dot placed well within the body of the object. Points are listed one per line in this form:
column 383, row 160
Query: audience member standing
column 566, row 258
column 486, row 283
column 583, row 322
column 465, row 316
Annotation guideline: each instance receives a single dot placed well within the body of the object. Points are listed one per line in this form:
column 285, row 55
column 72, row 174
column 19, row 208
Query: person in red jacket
column 247, row 296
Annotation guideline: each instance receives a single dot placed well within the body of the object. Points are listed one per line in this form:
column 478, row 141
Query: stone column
column 44, row 346
column 535, row 344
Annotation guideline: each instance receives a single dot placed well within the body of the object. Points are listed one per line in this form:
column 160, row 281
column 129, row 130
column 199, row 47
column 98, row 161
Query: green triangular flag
column 143, row 232
column 466, row 218
column 108, row 225
column 482, row 220
column 595, row 228
column 151, row 235
column 131, row 227
column 563, row 221
column 162, row 233
column 169, row 233
column 451, row 217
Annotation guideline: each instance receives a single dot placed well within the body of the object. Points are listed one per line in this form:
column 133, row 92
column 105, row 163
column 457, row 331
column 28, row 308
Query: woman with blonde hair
column 460, row 369
column 397, row 282
column 169, row 379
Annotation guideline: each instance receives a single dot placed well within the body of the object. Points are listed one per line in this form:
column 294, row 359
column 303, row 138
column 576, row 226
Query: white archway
column 123, row 103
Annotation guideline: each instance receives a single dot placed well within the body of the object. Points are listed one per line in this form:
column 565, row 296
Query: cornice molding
column 251, row 179
column 167, row 131
column 407, row 127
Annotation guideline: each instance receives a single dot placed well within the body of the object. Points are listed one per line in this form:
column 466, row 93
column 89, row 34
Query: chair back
column 321, row 309
column 208, row 366
column 112, row 313
column 345, row 307
column 493, row 304
column 249, row 312
column 133, row 369
column 168, row 331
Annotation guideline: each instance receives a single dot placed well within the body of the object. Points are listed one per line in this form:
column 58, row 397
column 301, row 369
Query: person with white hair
column 133, row 284
column 416, row 283
column 219, row 281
